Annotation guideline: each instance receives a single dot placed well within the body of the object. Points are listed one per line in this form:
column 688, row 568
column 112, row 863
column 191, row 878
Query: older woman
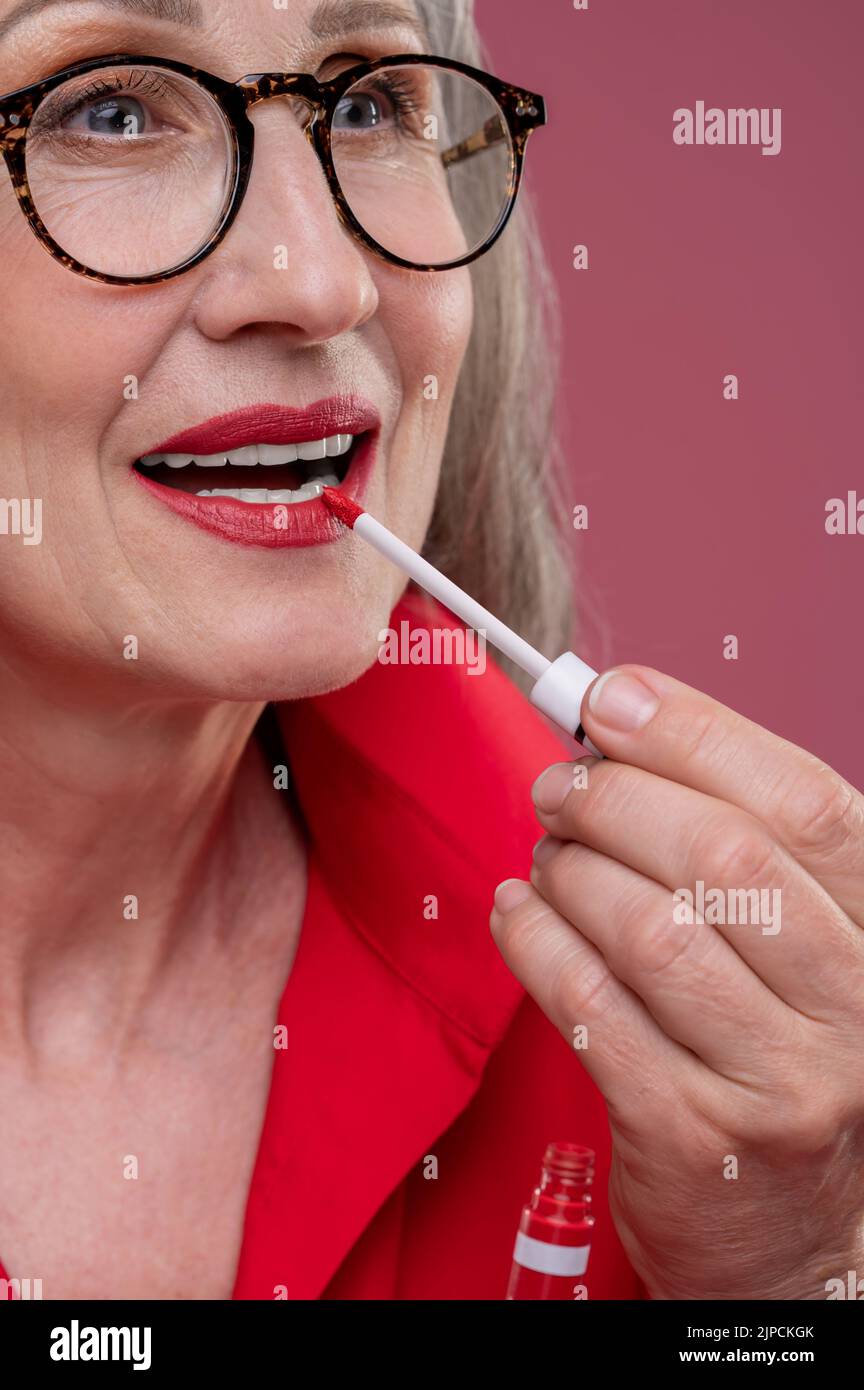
column 255, row 1037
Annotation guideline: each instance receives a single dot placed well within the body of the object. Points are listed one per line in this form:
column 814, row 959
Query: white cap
column 559, row 694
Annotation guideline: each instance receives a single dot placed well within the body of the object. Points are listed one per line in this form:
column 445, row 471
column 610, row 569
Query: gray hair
column 499, row 523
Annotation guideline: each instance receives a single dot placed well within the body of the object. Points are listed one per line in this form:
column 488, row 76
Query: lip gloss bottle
column 554, row 1237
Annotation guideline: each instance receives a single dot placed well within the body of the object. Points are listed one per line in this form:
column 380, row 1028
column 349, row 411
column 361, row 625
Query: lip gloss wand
column 559, row 686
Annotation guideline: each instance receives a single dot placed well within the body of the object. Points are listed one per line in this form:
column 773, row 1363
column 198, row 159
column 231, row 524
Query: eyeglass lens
column 131, row 168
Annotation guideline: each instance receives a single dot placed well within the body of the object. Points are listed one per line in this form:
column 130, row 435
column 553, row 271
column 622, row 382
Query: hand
column 731, row 1056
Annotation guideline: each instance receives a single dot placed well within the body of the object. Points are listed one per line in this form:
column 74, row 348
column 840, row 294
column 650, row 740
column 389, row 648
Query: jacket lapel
column 414, row 785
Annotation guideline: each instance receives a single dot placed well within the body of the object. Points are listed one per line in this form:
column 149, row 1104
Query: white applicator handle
column 559, row 685
column 559, row 694
column 454, row 598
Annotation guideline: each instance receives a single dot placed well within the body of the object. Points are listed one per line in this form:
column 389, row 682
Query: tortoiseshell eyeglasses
column 130, row 170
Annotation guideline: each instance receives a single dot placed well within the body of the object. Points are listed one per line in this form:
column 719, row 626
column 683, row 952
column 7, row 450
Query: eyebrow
column 335, row 17
column 329, row 20
column 186, row 12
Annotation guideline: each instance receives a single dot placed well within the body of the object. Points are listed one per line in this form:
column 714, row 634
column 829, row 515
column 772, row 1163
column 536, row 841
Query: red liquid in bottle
column 554, row 1237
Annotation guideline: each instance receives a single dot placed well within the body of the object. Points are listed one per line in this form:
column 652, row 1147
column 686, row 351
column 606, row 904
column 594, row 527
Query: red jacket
column 407, row 1037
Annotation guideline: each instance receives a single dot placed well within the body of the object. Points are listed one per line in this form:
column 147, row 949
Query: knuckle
column 828, row 813
column 585, row 991
column 736, row 853
column 700, row 733
column 650, row 942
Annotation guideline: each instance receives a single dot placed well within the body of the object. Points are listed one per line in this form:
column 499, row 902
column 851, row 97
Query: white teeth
column 307, row 493
column 246, row 457
column 271, row 454
column 263, row 496
column 338, row 444
column 315, row 450
column 266, row 454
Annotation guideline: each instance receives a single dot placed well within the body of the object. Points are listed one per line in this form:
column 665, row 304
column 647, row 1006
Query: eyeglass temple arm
column 495, row 129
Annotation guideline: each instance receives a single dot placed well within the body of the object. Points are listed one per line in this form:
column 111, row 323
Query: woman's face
column 288, row 312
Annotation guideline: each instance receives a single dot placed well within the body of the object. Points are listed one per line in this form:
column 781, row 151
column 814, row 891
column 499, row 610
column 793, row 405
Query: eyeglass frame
column 523, row 111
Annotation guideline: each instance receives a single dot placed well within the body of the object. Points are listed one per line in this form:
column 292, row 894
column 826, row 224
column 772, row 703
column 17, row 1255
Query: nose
column 287, row 259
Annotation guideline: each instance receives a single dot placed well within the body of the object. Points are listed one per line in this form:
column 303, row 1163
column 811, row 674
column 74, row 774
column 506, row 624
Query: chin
column 305, row 650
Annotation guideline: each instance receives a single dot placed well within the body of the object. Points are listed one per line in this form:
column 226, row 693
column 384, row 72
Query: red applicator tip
column 342, row 507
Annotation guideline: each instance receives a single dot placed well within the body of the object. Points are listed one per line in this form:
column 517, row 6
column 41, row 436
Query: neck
column 128, row 832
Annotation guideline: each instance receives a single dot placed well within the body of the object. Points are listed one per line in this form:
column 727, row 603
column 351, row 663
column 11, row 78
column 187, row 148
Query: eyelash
column 150, row 84
column 396, row 86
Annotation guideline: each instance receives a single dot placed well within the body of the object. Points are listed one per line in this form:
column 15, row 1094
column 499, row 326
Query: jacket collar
column 414, row 784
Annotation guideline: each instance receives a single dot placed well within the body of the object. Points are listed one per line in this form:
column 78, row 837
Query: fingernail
column 544, row 849
column 511, row 893
column 622, row 702
column 552, row 787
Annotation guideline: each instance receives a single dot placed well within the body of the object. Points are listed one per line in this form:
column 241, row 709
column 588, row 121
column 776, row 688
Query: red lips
column 272, row 525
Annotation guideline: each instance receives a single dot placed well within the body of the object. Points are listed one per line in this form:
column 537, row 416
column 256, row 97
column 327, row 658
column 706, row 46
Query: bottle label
column 539, row 1255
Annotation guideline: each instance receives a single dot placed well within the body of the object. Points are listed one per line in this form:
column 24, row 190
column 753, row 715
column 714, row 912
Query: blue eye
column 358, row 111
column 387, row 99
column 118, row 115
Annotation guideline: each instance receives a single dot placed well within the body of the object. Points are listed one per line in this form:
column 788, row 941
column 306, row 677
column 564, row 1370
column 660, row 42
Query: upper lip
column 269, row 423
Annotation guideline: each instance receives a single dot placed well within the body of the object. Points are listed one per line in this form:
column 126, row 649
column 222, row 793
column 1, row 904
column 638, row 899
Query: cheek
column 429, row 321
column 72, row 350
column 428, row 326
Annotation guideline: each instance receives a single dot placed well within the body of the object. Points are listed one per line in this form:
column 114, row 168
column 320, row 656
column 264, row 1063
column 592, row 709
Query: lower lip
column 271, row 525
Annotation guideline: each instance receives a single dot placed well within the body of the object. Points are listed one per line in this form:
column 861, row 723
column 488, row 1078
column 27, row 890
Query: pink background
column 707, row 516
